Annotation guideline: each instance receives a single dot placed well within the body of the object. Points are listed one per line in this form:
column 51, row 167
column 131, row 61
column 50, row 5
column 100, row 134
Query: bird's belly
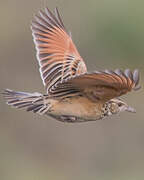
column 79, row 107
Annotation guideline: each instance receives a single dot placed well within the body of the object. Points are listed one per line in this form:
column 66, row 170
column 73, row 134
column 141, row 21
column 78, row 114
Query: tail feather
column 30, row 101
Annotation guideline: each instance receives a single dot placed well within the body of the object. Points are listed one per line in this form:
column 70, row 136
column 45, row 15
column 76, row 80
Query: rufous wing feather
column 99, row 86
column 56, row 53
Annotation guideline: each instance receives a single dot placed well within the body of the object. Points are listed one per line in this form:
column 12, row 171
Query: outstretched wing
column 99, row 86
column 56, row 53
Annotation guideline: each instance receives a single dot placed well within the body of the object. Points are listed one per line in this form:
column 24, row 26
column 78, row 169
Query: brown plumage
column 73, row 94
column 56, row 53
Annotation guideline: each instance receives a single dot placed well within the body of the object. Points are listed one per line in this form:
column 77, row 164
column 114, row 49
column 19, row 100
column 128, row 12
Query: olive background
column 109, row 34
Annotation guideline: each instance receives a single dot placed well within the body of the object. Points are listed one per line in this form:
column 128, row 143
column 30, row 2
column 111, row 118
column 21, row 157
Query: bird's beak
column 130, row 109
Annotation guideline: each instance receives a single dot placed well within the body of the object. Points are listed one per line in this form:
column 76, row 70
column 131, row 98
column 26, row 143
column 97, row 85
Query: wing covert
column 99, row 86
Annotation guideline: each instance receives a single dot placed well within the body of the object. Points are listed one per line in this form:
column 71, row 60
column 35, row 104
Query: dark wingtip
column 119, row 72
column 57, row 14
column 128, row 74
column 108, row 71
column 136, row 78
column 6, row 92
column 47, row 18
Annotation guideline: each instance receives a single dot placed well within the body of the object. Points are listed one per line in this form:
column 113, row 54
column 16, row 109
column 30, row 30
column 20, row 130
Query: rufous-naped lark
column 72, row 93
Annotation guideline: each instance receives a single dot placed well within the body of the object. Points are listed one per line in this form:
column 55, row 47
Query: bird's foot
column 70, row 119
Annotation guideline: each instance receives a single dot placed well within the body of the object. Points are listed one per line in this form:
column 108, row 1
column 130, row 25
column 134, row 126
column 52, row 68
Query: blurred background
column 109, row 34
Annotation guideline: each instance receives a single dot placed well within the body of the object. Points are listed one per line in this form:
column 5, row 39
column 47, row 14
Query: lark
column 72, row 93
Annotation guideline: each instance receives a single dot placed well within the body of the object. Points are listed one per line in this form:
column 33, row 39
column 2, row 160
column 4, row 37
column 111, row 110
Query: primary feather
column 56, row 53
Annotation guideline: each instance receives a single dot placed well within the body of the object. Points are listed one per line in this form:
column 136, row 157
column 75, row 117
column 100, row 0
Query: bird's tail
column 30, row 101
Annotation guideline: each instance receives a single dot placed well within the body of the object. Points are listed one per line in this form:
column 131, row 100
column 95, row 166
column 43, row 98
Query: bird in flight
column 72, row 93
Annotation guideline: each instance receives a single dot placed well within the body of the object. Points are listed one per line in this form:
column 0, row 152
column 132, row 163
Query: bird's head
column 116, row 106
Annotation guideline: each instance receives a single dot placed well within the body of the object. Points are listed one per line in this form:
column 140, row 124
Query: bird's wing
column 99, row 86
column 56, row 53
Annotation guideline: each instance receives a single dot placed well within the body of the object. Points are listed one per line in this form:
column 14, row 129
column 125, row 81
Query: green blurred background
column 109, row 34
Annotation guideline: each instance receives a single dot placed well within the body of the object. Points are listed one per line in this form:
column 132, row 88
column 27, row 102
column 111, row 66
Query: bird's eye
column 120, row 104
